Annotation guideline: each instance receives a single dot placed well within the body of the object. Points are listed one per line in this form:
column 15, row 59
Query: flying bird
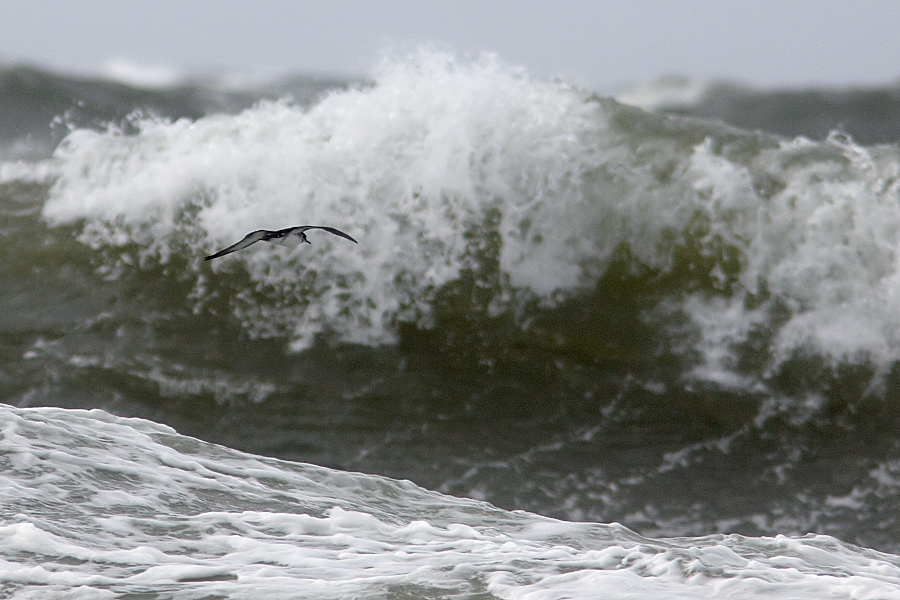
column 290, row 237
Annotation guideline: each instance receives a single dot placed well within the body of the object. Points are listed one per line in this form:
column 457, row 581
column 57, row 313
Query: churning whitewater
column 108, row 508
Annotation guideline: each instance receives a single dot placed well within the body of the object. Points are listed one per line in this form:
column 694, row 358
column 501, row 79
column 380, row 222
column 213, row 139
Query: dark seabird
column 290, row 237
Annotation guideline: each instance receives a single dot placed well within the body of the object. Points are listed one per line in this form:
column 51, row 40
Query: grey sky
column 602, row 44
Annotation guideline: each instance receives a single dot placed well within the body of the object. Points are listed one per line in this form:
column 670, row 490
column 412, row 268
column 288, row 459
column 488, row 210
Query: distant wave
column 39, row 107
column 868, row 115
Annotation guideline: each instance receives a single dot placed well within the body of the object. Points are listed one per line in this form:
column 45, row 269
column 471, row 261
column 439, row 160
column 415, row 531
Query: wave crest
column 750, row 247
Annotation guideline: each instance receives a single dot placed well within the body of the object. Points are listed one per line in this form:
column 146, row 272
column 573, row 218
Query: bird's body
column 290, row 237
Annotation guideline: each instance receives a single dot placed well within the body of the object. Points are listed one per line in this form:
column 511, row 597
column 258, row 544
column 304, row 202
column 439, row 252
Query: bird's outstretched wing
column 302, row 228
column 250, row 238
column 291, row 237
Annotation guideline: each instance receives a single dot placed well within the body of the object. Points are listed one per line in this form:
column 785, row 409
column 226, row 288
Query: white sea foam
column 412, row 164
column 160, row 76
column 143, row 75
column 27, row 171
column 662, row 92
column 825, row 246
column 99, row 506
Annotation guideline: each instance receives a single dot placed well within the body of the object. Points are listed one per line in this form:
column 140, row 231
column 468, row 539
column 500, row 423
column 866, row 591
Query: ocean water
column 585, row 347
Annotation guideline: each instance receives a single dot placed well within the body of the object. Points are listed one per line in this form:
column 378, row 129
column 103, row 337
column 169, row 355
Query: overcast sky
column 602, row 44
